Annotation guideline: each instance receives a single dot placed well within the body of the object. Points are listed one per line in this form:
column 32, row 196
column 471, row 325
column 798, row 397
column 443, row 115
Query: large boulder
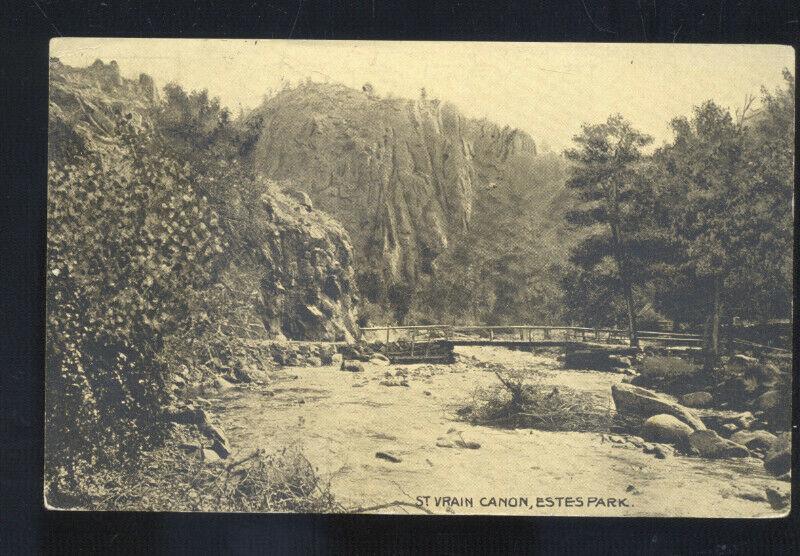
column 379, row 359
column 636, row 401
column 666, row 428
column 768, row 401
column 741, row 363
column 709, row 444
column 718, row 419
column 755, row 440
column 779, row 456
column 353, row 366
column 697, row 399
column 220, row 441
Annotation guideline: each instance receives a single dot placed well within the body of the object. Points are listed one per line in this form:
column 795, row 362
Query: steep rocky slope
column 395, row 172
column 295, row 260
column 408, row 178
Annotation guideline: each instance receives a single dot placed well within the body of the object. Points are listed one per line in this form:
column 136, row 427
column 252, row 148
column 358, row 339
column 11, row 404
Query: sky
column 546, row 89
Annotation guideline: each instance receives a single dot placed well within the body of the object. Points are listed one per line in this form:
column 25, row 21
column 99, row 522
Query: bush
column 655, row 368
column 531, row 404
column 131, row 244
column 171, row 480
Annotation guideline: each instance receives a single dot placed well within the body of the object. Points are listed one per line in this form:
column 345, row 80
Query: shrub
column 131, row 243
column 532, row 404
column 173, row 480
column 658, row 367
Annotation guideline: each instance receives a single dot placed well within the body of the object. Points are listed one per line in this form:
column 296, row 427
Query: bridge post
column 491, row 335
column 386, row 349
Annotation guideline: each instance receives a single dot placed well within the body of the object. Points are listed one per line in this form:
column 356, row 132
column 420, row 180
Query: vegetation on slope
column 155, row 245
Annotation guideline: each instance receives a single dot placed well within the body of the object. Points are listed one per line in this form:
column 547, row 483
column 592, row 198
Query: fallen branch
column 245, row 459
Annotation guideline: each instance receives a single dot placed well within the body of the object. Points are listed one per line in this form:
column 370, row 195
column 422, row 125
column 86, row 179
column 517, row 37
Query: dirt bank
column 341, row 420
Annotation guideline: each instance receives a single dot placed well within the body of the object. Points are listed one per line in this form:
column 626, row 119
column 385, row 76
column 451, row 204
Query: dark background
column 28, row 25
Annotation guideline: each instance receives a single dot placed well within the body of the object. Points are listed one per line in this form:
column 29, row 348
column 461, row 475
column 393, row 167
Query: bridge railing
column 521, row 332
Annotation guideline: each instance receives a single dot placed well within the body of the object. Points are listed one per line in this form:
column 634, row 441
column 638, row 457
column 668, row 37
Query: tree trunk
column 632, row 331
column 627, row 288
column 715, row 319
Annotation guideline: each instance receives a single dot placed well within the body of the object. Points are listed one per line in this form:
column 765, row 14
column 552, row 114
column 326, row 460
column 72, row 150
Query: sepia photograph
column 396, row 277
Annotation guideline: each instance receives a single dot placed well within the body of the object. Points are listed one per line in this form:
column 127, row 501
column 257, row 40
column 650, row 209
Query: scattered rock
column 426, row 392
column 637, row 441
column 709, row 444
column 353, row 366
column 336, row 359
column 314, row 361
column 741, row 363
column 745, row 420
column 751, row 494
column 210, row 456
column 786, row 477
column 242, row 374
column 717, row 419
column 666, row 428
column 697, row 399
column 394, row 382
column 755, row 440
column 221, row 384
column 190, row 447
column 188, row 415
column 779, row 456
column 388, row 456
column 777, row 498
column 634, row 400
column 220, row 445
column 768, row 401
column 454, row 439
column 662, row 451
column 621, row 360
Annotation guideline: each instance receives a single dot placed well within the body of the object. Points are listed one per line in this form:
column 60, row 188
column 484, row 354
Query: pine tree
column 607, row 175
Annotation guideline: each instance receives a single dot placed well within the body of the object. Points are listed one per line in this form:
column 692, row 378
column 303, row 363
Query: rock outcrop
column 395, row 172
column 406, row 178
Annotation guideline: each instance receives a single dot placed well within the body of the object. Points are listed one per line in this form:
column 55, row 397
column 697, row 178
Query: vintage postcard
column 419, row 277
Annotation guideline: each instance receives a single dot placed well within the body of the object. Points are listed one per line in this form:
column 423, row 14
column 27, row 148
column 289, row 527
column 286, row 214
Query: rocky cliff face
column 397, row 173
column 295, row 274
column 307, row 287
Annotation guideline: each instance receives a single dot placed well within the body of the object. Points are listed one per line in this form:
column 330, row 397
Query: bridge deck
column 618, row 349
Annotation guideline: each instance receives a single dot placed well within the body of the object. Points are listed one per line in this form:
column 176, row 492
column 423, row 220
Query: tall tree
column 729, row 185
column 607, row 178
column 701, row 167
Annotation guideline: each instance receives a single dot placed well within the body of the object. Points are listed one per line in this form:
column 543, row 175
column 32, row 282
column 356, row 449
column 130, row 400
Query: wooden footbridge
column 427, row 342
